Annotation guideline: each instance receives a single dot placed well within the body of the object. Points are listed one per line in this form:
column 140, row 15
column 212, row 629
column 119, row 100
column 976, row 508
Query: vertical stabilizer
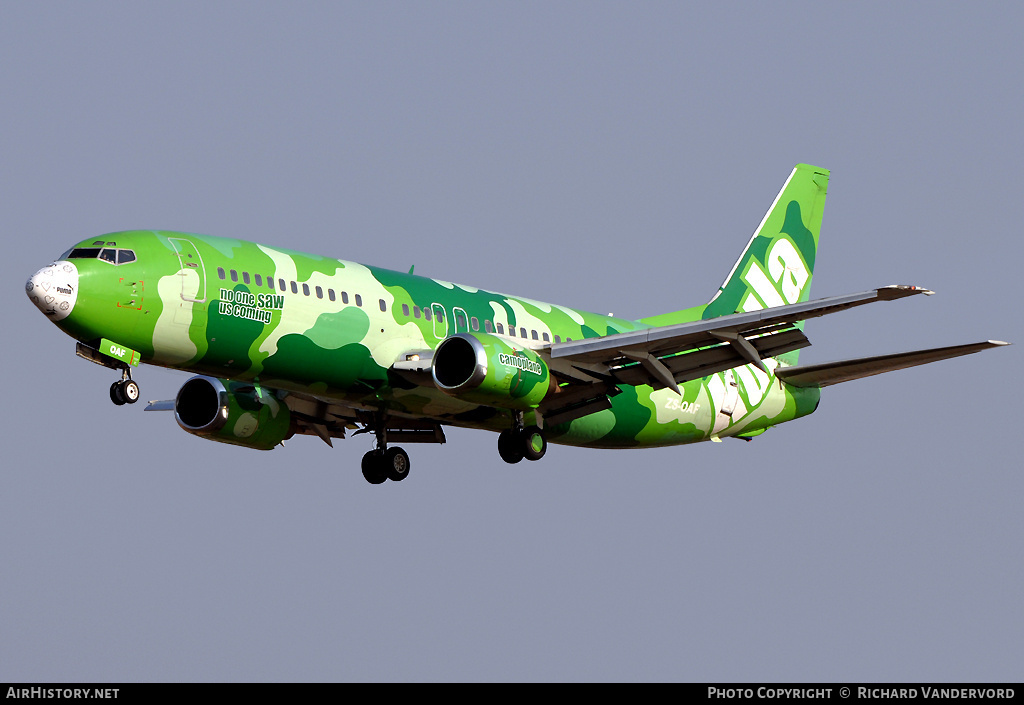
column 777, row 265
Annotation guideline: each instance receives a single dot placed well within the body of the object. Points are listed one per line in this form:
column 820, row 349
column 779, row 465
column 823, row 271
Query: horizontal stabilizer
column 843, row 371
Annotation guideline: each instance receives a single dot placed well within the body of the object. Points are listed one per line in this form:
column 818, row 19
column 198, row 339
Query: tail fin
column 777, row 265
column 778, row 262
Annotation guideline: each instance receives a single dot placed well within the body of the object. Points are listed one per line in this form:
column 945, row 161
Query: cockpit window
column 84, row 253
column 113, row 255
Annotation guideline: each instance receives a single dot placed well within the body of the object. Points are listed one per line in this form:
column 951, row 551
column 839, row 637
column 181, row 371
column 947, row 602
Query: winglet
column 898, row 291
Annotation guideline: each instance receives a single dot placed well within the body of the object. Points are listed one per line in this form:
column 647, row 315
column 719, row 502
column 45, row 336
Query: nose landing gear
column 125, row 391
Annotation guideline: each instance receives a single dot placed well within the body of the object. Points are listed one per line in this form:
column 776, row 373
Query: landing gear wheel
column 374, row 469
column 130, row 391
column 510, row 448
column 117, row 394
column 396, row 464
column 534, row 444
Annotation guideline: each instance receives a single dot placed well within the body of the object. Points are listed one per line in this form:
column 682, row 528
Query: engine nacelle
column 486, row 369
column 230, row 412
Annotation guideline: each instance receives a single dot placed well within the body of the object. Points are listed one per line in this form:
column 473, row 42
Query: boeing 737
column 286, row 343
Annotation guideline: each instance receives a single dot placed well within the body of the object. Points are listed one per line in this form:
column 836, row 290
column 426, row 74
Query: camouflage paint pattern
column 329, row 328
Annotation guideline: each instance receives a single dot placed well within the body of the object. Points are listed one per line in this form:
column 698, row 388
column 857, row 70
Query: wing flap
column 707, row 361
column 668, row 355
column 699, row 334
column 845, row 370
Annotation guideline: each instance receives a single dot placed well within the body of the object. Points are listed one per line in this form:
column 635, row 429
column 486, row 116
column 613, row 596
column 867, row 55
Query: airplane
column 285, row 343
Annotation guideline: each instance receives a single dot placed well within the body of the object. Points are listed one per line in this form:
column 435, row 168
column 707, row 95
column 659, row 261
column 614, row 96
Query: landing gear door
column 192, row 272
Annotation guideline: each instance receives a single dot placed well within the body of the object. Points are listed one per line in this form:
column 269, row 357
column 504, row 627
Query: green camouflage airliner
column 286, row 343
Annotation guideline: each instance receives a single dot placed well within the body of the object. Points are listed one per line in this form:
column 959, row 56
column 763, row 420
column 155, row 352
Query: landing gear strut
column 385, row 463
column 521, row 441
column 125, row 391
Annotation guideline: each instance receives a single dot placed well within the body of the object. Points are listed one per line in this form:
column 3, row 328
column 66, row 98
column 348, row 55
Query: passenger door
column 440, row 321
column 192, row 272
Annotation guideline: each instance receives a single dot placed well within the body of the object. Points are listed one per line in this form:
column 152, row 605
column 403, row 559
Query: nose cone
column 54, row 289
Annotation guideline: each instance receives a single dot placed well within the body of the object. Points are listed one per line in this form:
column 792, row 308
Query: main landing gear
column 521, row 442
column 126, row 391
column 390, row 464
column 385, row 463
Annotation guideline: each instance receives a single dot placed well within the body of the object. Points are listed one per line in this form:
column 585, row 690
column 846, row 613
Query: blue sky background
column 609, row 156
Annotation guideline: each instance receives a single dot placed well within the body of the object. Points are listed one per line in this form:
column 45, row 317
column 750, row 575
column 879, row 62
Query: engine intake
column 230, row 412
column 486, row 369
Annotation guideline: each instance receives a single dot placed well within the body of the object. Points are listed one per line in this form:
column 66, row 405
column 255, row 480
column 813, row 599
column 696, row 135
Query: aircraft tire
column 510, row 447
column 396, row 464
column 374, row 470
column 130, row 391
column 116, row 394
column 534, row 444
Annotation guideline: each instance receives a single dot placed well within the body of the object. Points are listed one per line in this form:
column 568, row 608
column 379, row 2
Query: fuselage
column 332, row 329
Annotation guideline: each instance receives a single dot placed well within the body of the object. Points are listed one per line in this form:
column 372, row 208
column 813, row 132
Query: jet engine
column 486, row 369
column 231, row 412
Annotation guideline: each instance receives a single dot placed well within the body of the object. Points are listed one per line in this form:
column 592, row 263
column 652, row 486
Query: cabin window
column 488, row 327
column 234, row 276
column 558, row 339
column 344, row 297
column 501, row 328
column 330, row 294
column 426, row 313
column 546, row 338
column 220, row 273
column 280, row 285
column 259, row 280
column 474, row 323
column 319, row 293
column 440, row 314
column 295, row 288
column 383, row 305
column 512, row 331
column 522, row 332
column 533, row 334
column 270, row 283
column 405, row 310
column 416, row 311
column 305, row 289
column 460, row 319
column 359, row 300
column 245, row 277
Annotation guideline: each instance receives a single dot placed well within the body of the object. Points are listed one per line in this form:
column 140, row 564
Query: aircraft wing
column 844, row 370
column 667, row 356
